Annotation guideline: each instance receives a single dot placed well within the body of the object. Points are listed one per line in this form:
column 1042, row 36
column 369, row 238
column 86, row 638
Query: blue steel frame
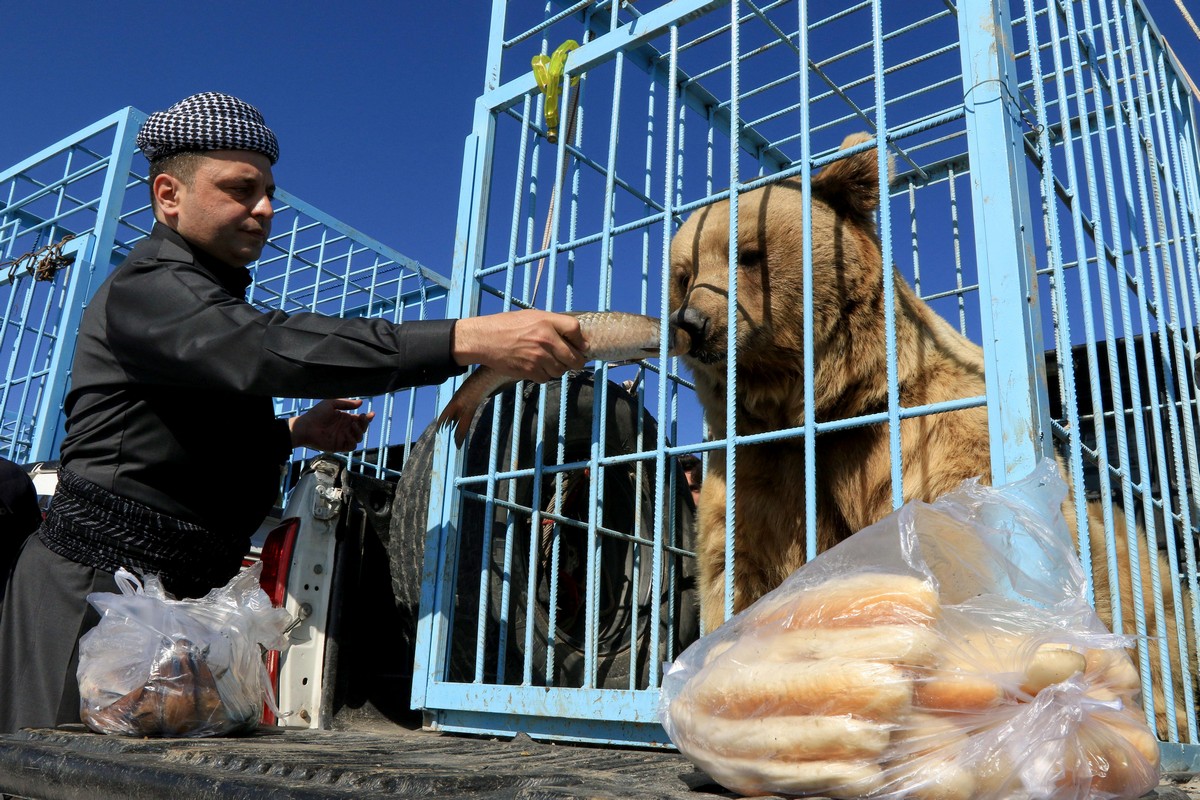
column 74, row 187
column 1091, row 117
column 92, row 185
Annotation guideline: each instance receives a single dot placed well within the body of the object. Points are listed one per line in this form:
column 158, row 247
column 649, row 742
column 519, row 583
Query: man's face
column 226, row 208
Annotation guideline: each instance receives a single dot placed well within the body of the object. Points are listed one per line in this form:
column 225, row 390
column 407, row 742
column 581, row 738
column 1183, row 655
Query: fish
column 607, row 336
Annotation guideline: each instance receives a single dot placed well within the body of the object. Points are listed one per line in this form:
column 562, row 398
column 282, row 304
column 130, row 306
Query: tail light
column 276, row 561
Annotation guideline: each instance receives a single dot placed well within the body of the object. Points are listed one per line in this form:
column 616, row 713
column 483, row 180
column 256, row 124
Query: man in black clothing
column 173, row 454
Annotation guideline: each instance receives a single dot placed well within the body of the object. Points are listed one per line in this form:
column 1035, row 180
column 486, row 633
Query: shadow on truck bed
column 74, row 764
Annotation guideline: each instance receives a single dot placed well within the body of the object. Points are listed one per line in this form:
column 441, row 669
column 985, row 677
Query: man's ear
column 167, row 191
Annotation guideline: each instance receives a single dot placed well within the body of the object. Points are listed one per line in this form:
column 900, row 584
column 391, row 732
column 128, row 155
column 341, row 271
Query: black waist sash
column 90, row 525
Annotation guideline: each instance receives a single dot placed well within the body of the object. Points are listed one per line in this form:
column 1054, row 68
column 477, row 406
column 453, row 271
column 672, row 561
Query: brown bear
column 934, row 363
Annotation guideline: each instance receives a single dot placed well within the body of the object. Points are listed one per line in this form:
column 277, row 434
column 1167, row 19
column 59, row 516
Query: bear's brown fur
column 934, row 363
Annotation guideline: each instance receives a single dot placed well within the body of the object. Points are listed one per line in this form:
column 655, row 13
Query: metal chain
column 43, row 264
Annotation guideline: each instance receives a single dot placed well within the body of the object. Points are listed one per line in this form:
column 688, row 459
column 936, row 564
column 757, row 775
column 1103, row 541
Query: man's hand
column 532, row 345
column 326, row 426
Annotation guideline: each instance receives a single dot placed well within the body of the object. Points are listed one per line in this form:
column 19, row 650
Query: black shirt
column 174, row 374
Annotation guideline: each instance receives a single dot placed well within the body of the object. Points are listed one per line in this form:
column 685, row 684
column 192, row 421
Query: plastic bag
column 947, row 652
column 156, row 666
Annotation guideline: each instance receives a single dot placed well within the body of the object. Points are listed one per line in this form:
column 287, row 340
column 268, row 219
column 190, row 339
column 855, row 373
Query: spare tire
column 624, row 587
column 405, row 540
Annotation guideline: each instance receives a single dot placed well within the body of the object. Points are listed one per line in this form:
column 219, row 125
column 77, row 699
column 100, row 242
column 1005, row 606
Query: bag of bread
column 947, row 652
column 157, row 666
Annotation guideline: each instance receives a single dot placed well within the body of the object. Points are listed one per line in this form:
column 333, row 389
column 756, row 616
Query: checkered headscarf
column 207, row 121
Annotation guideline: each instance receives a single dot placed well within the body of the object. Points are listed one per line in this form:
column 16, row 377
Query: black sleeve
column 171, row 324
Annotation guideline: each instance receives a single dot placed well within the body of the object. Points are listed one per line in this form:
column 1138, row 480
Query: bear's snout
column 691, row 322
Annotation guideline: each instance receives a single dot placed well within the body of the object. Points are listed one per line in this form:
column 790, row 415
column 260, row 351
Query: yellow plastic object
column 548, row 72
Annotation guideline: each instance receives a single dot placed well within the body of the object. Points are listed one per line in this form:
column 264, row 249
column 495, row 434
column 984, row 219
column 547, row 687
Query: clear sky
column 371, row 99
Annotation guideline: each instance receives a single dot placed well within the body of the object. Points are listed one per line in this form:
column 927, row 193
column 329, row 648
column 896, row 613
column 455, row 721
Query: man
column 172, row 455
column 693, row 468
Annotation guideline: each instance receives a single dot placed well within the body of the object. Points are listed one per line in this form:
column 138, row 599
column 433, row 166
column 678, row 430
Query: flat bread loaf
column 861, row 600
column 870, row 690
column 1050, row 665
column 931, row 778
column 923, row 732
column 838, row 779
column 1119, row 754
column 784, row 738
column 956, row 691
column 1112, row 669
column 907, row 645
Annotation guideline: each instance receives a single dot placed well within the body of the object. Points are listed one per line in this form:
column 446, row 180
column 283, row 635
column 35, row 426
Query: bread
column 925, row 755
column 870, row 690
column 923, row 732
column 1117, row 753
column 861, row 600
column 907, row 645
column 944, row 690
column 863, row 685
column 838, row 779
column 1112, row 669
column 931, row 778
column 979, row 668
column 718, row 649
column 1132, row 728
column 996, row 776
column 805, row 700
column 1051, row 664
column 783, row 738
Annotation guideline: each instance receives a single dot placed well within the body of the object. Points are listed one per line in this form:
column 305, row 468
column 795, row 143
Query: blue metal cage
column 1044, row 201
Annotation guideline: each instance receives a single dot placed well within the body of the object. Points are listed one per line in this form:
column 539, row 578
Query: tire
column 628, row 506
column 406, row 539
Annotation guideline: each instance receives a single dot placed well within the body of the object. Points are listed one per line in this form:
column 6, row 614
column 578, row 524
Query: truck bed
column 71, row 762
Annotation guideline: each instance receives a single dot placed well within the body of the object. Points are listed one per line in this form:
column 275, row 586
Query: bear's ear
column 852, row 184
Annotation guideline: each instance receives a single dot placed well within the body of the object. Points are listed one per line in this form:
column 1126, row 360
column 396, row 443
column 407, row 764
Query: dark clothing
column 44, row 616
column 171, row 408
column 20, row 514
column 171, row 390
column 89, row 525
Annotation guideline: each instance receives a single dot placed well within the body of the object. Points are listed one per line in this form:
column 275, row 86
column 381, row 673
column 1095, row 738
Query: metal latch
column 327, row 496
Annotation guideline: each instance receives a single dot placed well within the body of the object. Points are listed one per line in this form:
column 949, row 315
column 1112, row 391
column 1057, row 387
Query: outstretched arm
column 530, row 345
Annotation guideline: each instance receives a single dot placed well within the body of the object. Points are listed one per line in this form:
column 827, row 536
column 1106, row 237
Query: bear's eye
column 681, row 279
column 750, row 258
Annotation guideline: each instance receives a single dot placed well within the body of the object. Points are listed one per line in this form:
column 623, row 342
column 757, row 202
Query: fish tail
column 457, row 414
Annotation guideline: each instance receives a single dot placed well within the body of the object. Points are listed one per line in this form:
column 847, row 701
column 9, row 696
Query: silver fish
column 607, row 336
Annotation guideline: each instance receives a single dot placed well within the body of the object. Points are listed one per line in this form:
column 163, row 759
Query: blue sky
column 371, row 105
column 371, row 101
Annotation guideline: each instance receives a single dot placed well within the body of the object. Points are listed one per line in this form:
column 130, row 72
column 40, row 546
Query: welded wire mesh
column 666, row 108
